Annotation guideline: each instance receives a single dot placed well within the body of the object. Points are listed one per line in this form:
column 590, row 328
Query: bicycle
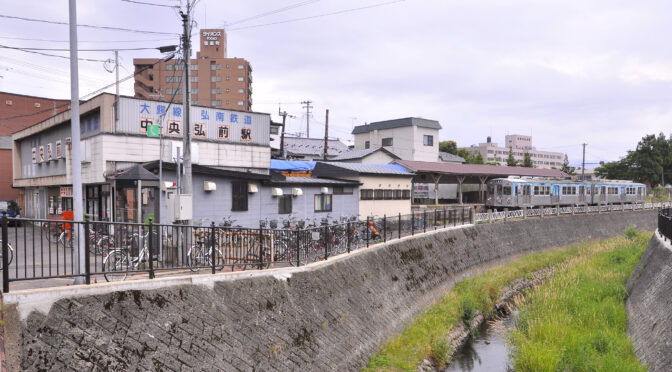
column 198, row 256
column 117, row 262
column 58, row 233
column 10, row 250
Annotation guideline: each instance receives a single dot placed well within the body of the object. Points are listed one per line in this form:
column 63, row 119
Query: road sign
column 153, row 130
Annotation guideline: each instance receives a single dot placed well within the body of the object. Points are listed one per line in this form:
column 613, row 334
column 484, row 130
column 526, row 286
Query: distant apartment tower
column 519, row 145
column 216, row 80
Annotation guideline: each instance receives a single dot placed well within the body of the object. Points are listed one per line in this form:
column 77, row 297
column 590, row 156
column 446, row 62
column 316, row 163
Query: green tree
column 615, row 170
column 527, row 160
column 652, row 157
column 566, row 168
column 465, row 154
column 478, row 159
column 511, row 161
column 448, row 146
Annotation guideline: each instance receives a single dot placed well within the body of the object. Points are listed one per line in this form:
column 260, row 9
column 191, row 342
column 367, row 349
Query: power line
column 50, row 55
column 83, row 50
column 152, row 4
column 88, row 26
column 276, row 11
column 82, row 41
column 318, row 15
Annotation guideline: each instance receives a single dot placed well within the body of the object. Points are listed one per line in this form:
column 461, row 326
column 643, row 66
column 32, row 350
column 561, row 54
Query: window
column 388, row 194
column 240, row 78
column 37, row 104
column 215, row 79
column 406, row 194
column 193, row 67
column 343, row 190
column 378, row 194
column 241, row 67
column 8, row 102
column 241, row 103
column 366, row 194
column 228, row 78
column 276, row 130
column 228, row 90
column 323, row 203
column 216, row 102
column 387, row 141
column 216, row 90
column 285, row 204
column 241, row 90
column 193, row 79
column 215, row 66
column 227, row 66
column 428, row 140
column 367, row 144
column 194, row 90
column 173, row 79
column 239, row 196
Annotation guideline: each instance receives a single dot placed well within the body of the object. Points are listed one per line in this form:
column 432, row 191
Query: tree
column 511, row 161
column 527, row 160
column 465, row 154
column 615, row 170
column 478, row 159
column 449, row 147
column 566, row 168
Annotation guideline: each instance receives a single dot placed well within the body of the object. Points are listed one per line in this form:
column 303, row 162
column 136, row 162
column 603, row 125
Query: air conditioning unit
column 252, row 188
column 324, row 190
column 276, row 191
column 209, row 186
column 297, row 191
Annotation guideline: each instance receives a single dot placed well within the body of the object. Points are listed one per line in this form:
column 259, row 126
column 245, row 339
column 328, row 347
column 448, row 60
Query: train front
column 500, row 194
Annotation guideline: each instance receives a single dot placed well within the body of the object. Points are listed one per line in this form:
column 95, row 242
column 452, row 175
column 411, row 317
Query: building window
column 241, row 90
column 193, row 79
column 285, row 204
column 323, row 203
column 216, row 102
column 428, row 140
column 387, row 141
column 367, row 144
column 240, row 78
column 241, row 67
column 215, row 79
column 343, row 190
column 239, row 196
column 227, row 66
column 406, row 194
column 194, row 90
column 193, row 67
column 228, row 90
column 173, row 79
column 241, row 103
column 216, row 90
column 388, row 194
column 228, row 78
column 378, row 194
column 366, row 194
column 215, row 66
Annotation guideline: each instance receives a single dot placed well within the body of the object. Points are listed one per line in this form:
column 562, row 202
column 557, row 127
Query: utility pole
column 326, row 135
column 116, row 96
column 307, row 106
column 583, row 164
column 186, row 94
column 75, row 144
column 282, row 134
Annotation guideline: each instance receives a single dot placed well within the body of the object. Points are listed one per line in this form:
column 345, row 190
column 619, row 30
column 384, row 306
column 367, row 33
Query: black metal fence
column 665, row 223
column 34, row 249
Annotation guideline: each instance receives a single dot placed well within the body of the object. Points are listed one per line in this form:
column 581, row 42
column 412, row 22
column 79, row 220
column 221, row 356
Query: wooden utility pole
column 282, row 134
column 326, row 135
column 307, row 107
column 583, row 164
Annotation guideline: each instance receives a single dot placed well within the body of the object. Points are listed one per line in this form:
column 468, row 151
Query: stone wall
column 649, row 306
column 326, row 316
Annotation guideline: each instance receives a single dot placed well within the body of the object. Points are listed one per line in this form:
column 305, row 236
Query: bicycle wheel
column 251, row 262
column 67, row 240
column 47, row 232
column 196, row 258
column 10, row 256
column 115, row 266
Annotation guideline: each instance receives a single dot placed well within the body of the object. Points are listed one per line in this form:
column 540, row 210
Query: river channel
column 487, row 349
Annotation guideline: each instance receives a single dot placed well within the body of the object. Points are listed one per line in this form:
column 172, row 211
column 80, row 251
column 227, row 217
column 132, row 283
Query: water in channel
column 487, row 350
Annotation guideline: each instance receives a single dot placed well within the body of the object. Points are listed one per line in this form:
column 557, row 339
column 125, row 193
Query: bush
column 630, row 232
column 439, row 351
column 467, row 310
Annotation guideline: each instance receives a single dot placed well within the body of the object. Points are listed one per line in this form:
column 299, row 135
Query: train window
column 491, row 189
column 506, row 190
column 536, row 190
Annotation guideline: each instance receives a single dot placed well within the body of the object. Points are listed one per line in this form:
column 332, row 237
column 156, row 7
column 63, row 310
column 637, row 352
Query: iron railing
column 665, row 223
column 35, row 249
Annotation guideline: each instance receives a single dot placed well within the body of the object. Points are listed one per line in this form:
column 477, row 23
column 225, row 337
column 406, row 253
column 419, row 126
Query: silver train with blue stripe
column 514, row 192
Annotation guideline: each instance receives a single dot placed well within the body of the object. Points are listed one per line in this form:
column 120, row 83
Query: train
column 519, row 192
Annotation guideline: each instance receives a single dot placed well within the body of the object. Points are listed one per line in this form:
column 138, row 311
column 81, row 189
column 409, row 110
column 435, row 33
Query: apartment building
column 18, row 111
column 216, row 80
column 519, row 145
column 408, row 138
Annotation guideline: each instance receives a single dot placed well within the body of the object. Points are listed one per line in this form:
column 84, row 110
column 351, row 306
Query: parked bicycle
column 10, row 254
column 119, row 261
column 58, row 233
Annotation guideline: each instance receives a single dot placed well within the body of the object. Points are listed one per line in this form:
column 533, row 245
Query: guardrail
column 541, row 212
column 665, row 223
column 34, row 249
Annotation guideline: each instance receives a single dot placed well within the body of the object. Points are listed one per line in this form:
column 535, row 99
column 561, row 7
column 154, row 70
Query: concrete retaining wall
column 325, row 316
column 649, row 306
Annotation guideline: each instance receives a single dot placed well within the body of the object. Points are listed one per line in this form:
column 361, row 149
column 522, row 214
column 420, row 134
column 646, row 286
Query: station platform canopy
column 455, row 173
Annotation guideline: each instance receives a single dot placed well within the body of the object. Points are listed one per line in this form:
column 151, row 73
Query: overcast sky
column 597, row 72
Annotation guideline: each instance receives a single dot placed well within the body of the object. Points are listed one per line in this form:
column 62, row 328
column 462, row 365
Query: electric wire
column 272, row 12
column 83, row 41
column 152, row 4
column 109, row 28
column 49, row 55
column 79, row 50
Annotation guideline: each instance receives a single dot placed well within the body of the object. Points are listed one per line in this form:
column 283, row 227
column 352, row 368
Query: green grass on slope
column 576, row 321
column 425, row 337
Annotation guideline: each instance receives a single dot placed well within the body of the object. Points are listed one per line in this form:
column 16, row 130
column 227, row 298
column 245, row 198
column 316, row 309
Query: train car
column 514, row 192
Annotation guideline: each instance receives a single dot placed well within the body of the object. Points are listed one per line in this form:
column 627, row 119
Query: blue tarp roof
column 294, row 165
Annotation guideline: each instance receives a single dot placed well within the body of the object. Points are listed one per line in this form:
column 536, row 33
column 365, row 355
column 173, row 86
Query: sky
column 596, row 72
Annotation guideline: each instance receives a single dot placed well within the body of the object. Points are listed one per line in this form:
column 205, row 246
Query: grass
column 425, row 338
column 576, row 320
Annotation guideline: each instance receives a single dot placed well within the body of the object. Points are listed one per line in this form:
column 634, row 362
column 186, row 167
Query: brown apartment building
column 216, row 80
column 17, row 112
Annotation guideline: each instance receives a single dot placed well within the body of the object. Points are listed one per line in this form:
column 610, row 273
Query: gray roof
column 446, row 156
column 336, row 169
column 5, row 142
column 359, row 154
column 312, row 146
column 397, row 123
column 137, row 172
column 313, row 181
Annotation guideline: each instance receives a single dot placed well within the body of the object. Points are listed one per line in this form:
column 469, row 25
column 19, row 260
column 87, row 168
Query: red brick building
column 18, row 111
